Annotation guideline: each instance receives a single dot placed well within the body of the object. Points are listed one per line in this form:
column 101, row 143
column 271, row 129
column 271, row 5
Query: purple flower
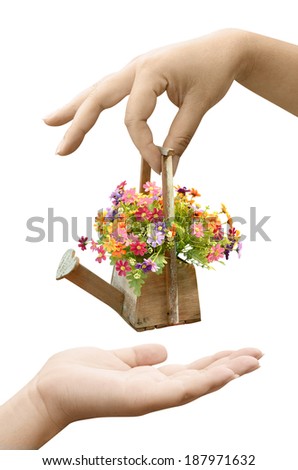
column 147, row 265
column 116, row 196
column 160, row 227
column 183, row 190
column 239, row 249
column 111, row 214
column 228, row 250
column 155, row 238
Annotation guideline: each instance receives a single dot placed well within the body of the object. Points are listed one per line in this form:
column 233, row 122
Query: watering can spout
column 71, row 269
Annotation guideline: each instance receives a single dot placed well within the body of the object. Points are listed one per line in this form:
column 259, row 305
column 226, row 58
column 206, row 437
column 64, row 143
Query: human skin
column 88, row 383
column 196, row 75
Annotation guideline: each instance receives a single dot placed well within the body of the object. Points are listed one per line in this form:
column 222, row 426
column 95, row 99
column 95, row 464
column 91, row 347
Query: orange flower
column 230, row 222
column 194, row 192
column 171, row 231
column 101, row 215
column 214, row 226
column 100, row 220
column 119, row 250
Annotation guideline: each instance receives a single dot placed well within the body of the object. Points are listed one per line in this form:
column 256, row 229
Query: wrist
column 26, row 424
column 241, row 43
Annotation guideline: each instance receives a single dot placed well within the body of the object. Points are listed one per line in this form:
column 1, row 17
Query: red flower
column 142, row 214
column 82, row 243
column 138, row 248
column 156, row 215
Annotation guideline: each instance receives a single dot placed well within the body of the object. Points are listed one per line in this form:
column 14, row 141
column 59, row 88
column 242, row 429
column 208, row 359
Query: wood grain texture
column 145, row 174
column 68, row 263
column 150, row 310
column 169, row 214
column 71, row 269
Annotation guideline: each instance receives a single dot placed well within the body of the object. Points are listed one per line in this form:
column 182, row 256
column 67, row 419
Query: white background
column 244, row 154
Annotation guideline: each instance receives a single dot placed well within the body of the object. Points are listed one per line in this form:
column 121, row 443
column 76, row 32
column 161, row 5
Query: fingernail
column 60, row 148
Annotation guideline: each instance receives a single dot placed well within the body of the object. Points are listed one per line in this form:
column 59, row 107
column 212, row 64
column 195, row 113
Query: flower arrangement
column 135, row 236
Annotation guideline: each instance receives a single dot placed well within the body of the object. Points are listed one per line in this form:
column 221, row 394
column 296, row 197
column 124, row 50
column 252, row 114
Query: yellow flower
column 228, row 216
column 110, row 245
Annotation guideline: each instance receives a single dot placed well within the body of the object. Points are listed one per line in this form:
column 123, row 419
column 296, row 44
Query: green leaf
column 160, row 261
column 136, row 284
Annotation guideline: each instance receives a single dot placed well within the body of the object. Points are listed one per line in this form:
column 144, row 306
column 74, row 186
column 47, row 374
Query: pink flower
column 144, row 200
column 121, row 185
column 129, row 196
column 132, row 238
column 216, row 253
column 94, row 246
column 138, row 248
column 121, row 233
column 122, row 267
column 101, row 254
column 152, row 188
column 197, row 230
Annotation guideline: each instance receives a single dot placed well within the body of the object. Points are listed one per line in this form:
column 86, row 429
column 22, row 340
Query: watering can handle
column 169, row 214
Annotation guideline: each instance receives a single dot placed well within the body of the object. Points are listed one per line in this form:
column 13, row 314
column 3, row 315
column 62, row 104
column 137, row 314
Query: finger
column 66, row 113
column 251, row 352
column 176, row 160
column 254, row 352
column 183, row 128
column 198, row 364
column 242, row 365
column 140, row 106
column 224, row 356
column 104, row 95
column 196, row 383
column 205, row 362
column 185, row 387
column 143, row 355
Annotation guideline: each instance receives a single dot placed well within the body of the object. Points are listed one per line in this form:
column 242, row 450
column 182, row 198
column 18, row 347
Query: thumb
column 142, row 355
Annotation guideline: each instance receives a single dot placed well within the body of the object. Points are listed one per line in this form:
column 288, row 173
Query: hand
column 196, row 75
column 88, row 382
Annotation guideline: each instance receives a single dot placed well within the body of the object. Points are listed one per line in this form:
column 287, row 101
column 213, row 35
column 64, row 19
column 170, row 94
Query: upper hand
column 195, row 74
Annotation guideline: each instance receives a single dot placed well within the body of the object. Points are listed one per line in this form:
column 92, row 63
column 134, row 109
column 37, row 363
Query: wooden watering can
column 170, row 298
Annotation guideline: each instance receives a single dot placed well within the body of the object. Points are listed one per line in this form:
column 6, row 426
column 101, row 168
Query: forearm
column 24, row 422
column 273, row 71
